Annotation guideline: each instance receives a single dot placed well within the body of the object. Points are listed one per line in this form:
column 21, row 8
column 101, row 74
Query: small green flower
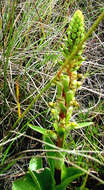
column 73, row 35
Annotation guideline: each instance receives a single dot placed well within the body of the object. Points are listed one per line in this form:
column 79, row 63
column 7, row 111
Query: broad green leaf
column 68, row 175
column 24, row 183
column 35, row 164
column 33, row 176
column 45, row 179
column 38, row 129
column 57, row 159
column 50, row 160
column 41, row 180
column 84, row 124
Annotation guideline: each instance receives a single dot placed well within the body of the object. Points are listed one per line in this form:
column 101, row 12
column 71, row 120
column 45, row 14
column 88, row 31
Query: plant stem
column 57, row 176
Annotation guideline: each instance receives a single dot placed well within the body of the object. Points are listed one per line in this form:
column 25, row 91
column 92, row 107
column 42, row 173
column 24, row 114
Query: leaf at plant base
column 35, row 164
column 84, row 124
column 50, row 160
column 38, row 129
column 24, row 183
column 45, row 179
column 57, row 159
column 68, row 175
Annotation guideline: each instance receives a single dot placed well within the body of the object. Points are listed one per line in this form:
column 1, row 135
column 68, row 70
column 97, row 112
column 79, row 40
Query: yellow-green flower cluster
column 75, row 33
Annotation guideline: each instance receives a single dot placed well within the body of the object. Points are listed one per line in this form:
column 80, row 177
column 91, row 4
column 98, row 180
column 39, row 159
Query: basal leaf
column 68, row 175
column 35, row 164
column 45, row 179
column 50, row 160
column 41, row 180
column 24, row 183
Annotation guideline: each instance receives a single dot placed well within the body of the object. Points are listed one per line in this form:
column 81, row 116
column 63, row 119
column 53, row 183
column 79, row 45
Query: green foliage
column 38, row 129
column 43, row 131
column 25, row 183
column 80, row 125
column 50, row 155
column 42, row 179
column 38, row 180
column 68, row 175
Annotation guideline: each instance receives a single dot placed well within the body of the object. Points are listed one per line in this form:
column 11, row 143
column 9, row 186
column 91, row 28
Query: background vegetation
column 31, row 34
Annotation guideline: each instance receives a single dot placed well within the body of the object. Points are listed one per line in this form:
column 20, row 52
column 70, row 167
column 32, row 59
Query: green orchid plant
column 57, row 176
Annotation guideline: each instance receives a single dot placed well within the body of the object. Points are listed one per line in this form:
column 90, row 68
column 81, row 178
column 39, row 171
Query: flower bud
column 51, row 104
column 79, row 76
column 55, row 114
column 74, row 83
column 74, row 75
column 79, row 83
column 73, row 125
